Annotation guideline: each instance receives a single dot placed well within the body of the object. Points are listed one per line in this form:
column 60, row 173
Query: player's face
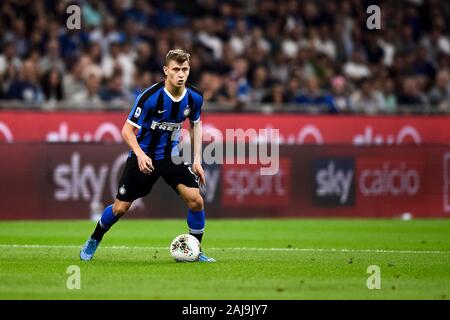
column 176, row 73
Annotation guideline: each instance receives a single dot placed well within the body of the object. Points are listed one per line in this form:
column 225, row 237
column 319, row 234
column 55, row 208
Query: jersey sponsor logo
column 168, row 126
column 137, row 113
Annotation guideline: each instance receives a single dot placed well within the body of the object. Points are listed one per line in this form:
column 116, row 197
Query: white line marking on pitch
column 44, row 246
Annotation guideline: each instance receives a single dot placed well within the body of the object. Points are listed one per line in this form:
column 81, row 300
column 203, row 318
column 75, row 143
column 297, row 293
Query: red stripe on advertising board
column 293, row 128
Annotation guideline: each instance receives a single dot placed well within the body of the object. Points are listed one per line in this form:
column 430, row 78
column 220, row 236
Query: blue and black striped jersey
column 159, row 118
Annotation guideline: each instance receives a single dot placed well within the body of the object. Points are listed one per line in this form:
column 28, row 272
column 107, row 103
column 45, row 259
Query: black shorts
column 135, row 184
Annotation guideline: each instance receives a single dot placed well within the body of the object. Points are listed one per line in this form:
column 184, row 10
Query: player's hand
column 198, row 170
column 145, row 163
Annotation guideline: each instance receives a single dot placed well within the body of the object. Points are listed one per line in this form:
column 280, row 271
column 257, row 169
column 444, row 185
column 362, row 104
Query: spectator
column 52, row 58
column 257, row 41
column 107, row 34
column 293, row 89
column 27, row 87
column 260, row 84
column 411, row 98
column 18, row 36
column 237, row 38
column 168, row 16
column 322, row 42
column 279, row 68
column 2, row 88
column 367, row 99
column 52, row 84
column 94, row 52
column 439, row 95
column 89, row 97
column 208, row 37
column 9, row 57
column 341, row 97
column 143, row 81
column 144, row 58
column 91, row 13
column 9, row 77
column 239, row 74
column 390, row 99
column 114, row 91
column 72, row 42
column 210, row 84
column 435, row 43
column 314, row 96
column 356, row 68
column 73, row 81
column 277, row 95
column 228, row 93
column 422, row 66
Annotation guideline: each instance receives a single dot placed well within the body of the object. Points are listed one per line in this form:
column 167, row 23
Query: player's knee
column 119, row 209
column 195, row 203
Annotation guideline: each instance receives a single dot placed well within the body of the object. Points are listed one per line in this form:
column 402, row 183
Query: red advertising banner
column 244, row 186
column 293, row 128
column 396, row 180
column 379, row 181
column 65, row 180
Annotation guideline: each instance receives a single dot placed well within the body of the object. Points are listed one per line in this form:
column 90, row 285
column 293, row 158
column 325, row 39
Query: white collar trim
column 171, row 97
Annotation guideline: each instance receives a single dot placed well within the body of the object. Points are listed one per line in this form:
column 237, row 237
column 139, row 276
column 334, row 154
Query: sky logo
column 333, row 182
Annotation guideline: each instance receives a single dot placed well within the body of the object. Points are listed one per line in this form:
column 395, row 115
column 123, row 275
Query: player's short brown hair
column 178, row 55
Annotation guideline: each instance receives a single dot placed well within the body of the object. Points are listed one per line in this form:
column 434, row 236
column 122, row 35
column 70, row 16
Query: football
column 185, row 248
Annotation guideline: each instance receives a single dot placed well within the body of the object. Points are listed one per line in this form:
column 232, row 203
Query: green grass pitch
column 257, row 259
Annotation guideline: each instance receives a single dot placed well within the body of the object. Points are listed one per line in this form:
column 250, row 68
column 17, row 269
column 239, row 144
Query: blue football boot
column 88, row 250
column 203, row 258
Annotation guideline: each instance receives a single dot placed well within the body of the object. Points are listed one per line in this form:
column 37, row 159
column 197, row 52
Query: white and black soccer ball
column 185, row 248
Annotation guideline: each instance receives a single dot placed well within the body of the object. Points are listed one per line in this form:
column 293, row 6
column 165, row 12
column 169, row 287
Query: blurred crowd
column 298, row 53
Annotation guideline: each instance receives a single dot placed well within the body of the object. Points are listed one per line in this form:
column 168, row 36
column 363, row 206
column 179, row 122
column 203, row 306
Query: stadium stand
column 306, row 56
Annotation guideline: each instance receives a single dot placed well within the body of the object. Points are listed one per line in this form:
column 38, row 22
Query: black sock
column 198, row 236
column 99, row 232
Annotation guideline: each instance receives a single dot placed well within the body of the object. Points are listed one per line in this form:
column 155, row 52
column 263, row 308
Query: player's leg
column 196, row 211
column 133, row 184
column 196, row 214
column 110, row 216
column 181, row 178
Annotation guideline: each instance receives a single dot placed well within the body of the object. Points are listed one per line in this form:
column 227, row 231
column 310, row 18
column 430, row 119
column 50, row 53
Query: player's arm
column 129, row 135
column 196, row 138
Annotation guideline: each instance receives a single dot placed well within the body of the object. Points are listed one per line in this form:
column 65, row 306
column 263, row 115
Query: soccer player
column 157, row 116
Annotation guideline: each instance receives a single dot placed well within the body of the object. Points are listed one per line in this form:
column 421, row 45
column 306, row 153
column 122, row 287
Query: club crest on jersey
column 187, row 111
column 122, row 190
